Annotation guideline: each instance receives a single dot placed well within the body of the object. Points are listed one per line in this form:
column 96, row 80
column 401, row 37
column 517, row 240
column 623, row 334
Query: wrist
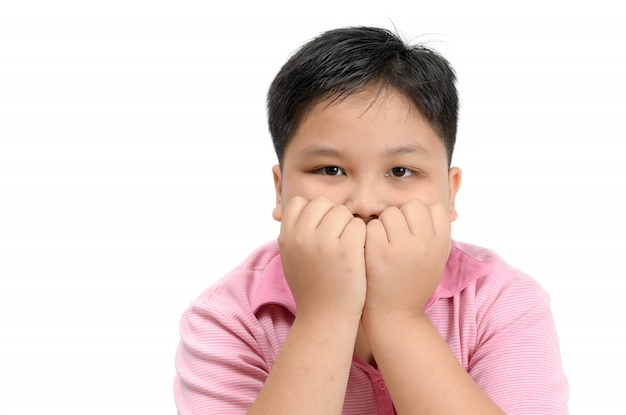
column 389, row 322
column 328, row 319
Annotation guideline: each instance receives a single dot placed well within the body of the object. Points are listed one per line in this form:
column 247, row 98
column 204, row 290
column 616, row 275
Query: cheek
column 308, row 187
column 429, row 192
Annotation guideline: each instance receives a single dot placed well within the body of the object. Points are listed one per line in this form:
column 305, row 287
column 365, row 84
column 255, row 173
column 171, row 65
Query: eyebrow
column 408, row 149
column 317, row 151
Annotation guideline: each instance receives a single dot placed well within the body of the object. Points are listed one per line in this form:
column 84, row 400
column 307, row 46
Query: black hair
column 346, row 60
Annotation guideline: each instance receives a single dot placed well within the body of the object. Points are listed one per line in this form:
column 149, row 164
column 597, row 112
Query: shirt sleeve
column 220, row 367
column 517, row 357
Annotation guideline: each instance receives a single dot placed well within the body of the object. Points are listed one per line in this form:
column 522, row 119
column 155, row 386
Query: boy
column 365, row 305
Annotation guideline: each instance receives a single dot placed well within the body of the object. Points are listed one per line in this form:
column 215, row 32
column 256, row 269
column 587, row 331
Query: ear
column 277, row 214
column 454, row 183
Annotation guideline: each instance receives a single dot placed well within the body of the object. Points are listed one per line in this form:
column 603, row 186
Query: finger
column 441, row 220
column 376, row 235
column 354, row 232
column 395, row 224
column 313, row 213
column 418, row 218
column 293, row 210
column 335, row 220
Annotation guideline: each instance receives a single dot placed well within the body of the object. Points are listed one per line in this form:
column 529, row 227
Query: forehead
column 375, row 117
column 371, row 97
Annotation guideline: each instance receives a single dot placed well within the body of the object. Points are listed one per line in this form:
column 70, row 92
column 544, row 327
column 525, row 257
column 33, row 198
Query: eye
column 330, row 171
column 400, row 172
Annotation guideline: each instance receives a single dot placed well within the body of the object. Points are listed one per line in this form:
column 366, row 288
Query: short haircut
column 343, row 61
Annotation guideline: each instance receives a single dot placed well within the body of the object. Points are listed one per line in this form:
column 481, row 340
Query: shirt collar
column 460, row 271
column 272, row 287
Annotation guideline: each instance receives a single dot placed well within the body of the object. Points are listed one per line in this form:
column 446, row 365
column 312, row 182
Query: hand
column 406, row 251
column 322, row 252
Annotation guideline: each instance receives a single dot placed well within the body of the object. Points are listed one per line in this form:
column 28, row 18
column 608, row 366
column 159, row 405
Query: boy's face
column 367, row 152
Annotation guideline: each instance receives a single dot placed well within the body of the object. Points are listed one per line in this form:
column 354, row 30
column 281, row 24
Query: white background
column 135, row 170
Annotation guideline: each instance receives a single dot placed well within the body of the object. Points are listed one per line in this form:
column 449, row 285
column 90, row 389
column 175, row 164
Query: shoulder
column 495, row 272
column 239, row 288
column 224, row 348
column 503, row 292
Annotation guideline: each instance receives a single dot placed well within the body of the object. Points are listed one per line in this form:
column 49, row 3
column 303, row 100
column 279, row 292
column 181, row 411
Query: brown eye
column 330, row 171
column 400, row 172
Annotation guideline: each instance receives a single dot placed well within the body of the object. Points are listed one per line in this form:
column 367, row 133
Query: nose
column 366, row 201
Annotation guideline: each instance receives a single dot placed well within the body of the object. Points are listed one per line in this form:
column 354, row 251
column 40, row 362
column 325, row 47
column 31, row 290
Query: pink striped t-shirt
column 495, row 319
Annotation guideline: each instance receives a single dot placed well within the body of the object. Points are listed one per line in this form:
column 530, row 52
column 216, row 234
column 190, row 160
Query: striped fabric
column 495, row 319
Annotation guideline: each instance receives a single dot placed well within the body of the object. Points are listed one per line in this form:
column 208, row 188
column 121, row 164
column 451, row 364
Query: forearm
column 311, row 372
column 427, row 379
